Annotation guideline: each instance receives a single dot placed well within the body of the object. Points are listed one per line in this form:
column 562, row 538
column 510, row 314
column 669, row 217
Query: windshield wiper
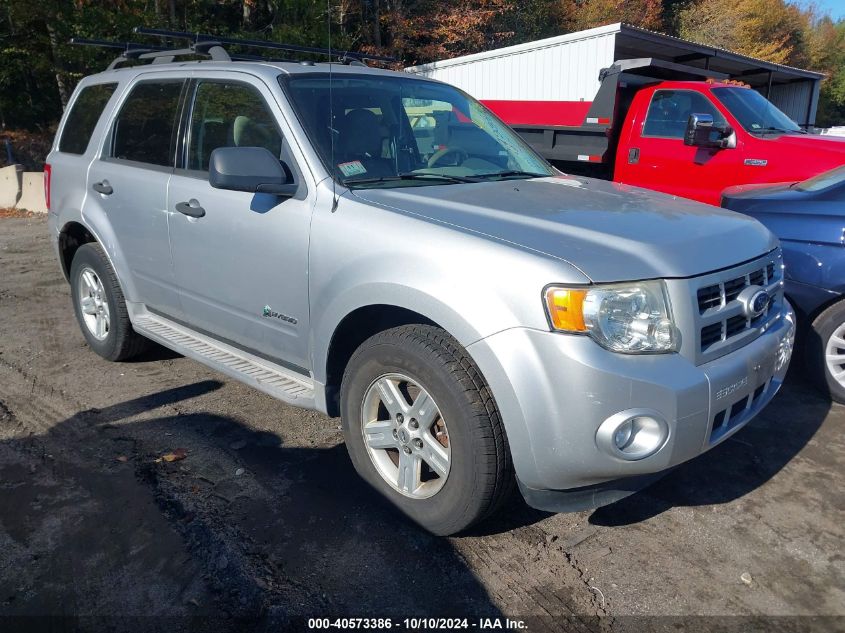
column 511, row 173
column 409, row 176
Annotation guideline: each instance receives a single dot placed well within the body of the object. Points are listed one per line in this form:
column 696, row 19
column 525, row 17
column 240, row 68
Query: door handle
column 103, row 187
column 633, row 155
column 191, row 208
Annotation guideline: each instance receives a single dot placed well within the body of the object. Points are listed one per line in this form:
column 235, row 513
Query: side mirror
column 250, row 169
column 702, row 132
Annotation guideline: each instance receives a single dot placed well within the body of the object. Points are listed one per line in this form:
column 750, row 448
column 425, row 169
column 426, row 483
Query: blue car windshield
column 823, row 181
column 755, row 113
column 394, row 131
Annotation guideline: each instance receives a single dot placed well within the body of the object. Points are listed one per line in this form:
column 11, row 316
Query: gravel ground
column 265, row 522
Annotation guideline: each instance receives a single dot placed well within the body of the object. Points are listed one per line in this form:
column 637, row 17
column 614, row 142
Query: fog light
column 633, row 434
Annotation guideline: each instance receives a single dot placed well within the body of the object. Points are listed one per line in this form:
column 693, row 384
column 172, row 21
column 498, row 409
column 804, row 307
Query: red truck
column 687, row 138
column 677, row 128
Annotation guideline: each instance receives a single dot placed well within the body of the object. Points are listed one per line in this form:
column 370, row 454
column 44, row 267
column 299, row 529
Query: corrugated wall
column 793, row 99
column 566, row 71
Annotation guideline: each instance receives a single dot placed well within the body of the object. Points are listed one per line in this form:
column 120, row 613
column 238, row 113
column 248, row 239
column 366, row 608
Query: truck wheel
column 825, row 352
column 99, row 306
column 422, row 428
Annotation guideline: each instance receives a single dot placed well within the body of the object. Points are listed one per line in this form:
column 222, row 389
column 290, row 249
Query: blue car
column 809, row 219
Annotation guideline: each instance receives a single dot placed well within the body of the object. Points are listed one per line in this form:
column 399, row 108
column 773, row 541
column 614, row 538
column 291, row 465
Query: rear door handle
column 191, row 208
column 103, row 187
column 633, row 155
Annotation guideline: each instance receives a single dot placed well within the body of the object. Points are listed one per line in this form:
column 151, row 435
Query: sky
column 836, row 8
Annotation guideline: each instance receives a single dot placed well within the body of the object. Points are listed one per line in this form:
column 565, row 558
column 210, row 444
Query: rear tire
column 464, row 470
column 100, row 307
column 825, row 352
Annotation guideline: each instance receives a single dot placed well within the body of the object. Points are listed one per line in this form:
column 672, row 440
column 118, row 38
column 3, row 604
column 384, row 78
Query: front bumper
column 555, row 390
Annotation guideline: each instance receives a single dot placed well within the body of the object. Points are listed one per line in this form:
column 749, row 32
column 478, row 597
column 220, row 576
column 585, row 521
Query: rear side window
column 144, row 130
column 670, row 109
column 83, row 117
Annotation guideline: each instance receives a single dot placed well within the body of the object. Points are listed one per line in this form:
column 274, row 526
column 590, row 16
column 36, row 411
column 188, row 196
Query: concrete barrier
column 32, row 192
column 10, row 185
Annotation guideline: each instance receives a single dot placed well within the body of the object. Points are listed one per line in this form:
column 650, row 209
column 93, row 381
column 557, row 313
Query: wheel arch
column 71, row 237
column 352, row 330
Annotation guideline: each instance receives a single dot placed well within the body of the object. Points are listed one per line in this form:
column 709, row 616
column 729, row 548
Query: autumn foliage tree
column 38, row 68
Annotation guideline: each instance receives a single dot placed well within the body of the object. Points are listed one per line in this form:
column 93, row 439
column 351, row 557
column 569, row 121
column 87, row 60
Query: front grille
column 721, row 314
column 735, row 325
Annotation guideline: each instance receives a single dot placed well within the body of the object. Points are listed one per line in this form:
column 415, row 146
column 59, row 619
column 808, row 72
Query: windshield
column 823, row 181
column 754, row 112
column 391, row 131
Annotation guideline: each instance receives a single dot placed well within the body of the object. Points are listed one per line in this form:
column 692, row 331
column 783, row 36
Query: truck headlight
column 632, row 318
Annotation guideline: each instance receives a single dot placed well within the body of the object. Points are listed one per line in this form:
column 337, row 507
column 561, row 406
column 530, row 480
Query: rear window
column 83, row 117
column 144, row 127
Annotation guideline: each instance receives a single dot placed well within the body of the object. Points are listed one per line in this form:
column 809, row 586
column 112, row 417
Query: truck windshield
column 754, row 112
column 389, row 131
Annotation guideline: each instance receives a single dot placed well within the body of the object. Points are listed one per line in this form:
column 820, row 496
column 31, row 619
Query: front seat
column 361, row 138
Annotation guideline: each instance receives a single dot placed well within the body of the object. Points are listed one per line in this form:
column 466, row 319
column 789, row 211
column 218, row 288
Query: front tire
column 825, row 351
column 422, row 428
column 100, row 307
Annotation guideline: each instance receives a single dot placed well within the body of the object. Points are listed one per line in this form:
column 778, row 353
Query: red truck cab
column 747, row 140
column 675, row 129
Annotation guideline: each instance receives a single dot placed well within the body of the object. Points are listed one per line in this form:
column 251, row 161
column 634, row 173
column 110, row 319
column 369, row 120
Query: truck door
column 655, row 156
column 240, row 259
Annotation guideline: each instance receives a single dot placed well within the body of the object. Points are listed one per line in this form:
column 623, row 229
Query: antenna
column 332, row 131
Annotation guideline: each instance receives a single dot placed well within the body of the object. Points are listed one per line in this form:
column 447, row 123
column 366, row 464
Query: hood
column 831, row 146
column 757, row 188
column 611, row 232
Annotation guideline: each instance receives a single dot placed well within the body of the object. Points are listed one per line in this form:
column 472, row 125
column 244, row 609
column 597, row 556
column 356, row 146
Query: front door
column 241, row 268
column 658, row 158
column 128, row 184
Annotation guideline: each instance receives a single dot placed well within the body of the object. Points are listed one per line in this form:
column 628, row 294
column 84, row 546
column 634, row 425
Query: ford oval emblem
column 757, row 304
column 754, row 301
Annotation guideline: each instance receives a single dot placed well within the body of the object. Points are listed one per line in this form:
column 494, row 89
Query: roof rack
column 211, row 47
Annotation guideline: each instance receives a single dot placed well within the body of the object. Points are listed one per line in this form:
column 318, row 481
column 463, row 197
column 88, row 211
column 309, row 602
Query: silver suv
column 380, row 247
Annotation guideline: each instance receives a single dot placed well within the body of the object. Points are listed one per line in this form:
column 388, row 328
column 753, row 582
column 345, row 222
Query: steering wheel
column 440, row 154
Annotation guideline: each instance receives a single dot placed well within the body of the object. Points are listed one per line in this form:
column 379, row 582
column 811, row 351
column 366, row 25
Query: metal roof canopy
column 632, row 41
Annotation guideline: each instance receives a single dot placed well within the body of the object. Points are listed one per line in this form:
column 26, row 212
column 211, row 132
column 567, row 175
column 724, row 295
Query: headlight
column 630, row 318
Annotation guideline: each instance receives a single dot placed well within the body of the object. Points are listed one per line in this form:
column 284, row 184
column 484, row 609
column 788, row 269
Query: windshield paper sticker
column 352, row 168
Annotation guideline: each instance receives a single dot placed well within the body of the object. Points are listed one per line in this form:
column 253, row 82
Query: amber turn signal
column 566, row 309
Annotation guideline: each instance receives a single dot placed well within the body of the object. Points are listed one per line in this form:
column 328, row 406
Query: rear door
column 658, row 159
column 241, row 268
column 128, row 184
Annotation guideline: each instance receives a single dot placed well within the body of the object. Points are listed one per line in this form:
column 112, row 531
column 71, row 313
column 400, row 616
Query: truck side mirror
column 250, row 169
column 702, row 132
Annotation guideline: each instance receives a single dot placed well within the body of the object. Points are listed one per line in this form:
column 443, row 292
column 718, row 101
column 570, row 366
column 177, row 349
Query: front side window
column 144, row 130
column 754, row 112
column 383, row 131
column 229, row 115
column 670, row 110
column 83, row 117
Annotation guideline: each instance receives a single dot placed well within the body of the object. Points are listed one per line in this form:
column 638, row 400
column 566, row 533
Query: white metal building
column 566, row 68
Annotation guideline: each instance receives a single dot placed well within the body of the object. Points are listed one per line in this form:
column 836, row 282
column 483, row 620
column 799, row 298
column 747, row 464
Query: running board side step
column 261, row 374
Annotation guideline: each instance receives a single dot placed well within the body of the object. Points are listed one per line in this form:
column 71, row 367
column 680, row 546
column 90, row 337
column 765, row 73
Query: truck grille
column 722, row 324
